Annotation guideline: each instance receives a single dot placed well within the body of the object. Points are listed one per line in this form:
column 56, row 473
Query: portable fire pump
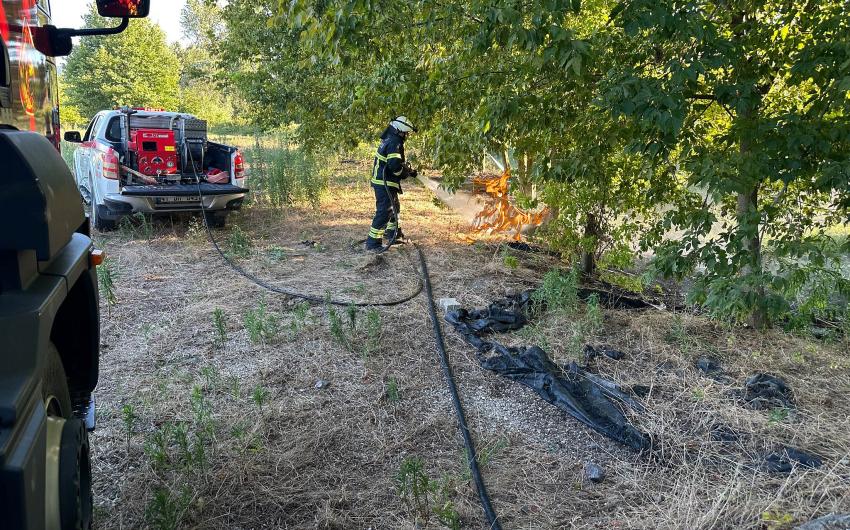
column 155, row 151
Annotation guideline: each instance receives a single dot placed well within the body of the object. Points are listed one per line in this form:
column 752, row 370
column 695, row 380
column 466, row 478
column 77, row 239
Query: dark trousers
column 384, row 219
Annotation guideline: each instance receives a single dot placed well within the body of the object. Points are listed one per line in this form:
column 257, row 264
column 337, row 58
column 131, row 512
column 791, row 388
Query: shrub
column 559, row 290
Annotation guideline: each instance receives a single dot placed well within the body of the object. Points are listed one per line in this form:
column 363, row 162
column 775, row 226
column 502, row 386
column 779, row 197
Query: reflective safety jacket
column 389, row 161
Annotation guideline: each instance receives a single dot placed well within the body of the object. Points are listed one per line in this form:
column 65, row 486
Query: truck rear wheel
column 98, row 220
column 68, row 496
column 101, row 224
column 216, row 219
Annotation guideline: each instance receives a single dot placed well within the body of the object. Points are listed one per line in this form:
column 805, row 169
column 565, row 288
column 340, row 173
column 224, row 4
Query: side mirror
column 56, row 42
column 73, row 137
column 123, row 8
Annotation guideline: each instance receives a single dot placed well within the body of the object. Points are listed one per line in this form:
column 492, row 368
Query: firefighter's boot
column 373, row 244
column 396, row 236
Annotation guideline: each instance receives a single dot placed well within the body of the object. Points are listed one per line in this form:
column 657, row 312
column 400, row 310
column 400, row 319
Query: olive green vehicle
column 49, row 317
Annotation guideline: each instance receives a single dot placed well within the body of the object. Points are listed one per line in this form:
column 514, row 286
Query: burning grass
column 305, row 429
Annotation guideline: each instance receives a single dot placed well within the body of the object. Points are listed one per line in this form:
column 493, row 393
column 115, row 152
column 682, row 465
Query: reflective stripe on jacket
column 389, row 162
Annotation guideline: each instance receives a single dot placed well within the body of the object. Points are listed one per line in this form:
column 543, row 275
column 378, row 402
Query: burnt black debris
column 591, row 352
column 614, row 300
column 589, row 398
column 711, row 367
column 787, row 458
column 765, row 391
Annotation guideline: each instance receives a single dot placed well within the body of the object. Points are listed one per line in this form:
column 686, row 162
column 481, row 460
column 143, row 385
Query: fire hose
column 424, row 281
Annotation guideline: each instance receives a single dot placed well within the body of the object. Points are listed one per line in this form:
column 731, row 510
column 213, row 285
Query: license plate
column 177, row 200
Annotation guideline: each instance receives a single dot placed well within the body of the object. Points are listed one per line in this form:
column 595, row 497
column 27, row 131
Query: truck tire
column 54, row 386
column 97, row 219
column 216, row 219
column 68, row 496
column 97, row 211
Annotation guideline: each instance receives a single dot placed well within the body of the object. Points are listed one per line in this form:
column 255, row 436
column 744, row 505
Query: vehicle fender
column 40, row 197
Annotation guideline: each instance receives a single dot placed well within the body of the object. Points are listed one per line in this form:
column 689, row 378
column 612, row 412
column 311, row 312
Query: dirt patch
column 224, row 426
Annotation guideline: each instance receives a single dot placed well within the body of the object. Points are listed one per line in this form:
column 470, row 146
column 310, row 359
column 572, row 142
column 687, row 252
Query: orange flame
column 499, row 214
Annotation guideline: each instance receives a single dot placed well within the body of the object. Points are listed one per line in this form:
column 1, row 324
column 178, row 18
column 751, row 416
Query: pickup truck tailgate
column 179, row 190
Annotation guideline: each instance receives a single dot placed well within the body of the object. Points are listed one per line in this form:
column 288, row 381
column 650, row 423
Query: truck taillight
column 110, row 164
column 239, row 165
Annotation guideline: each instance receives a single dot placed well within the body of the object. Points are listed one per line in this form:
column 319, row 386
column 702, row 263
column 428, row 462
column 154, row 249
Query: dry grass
column 281, row 453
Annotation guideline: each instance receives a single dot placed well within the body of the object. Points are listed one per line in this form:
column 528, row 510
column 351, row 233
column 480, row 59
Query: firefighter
column 388, row 171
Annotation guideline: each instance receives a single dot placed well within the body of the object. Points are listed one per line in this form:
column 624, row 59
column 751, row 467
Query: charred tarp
column 589, row 398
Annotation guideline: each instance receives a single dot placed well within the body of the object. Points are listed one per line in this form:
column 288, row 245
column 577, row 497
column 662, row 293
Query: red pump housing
column 156, row 151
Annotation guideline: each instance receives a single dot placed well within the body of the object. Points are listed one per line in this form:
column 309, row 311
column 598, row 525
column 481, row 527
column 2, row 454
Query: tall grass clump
column 106, row 276
column 559, row 291
column 285, row 173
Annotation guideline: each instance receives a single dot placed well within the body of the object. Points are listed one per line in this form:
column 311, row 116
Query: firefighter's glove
column 409, row 171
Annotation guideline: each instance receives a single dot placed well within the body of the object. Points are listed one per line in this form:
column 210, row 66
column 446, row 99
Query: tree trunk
column 748, row 203
column 588, row 256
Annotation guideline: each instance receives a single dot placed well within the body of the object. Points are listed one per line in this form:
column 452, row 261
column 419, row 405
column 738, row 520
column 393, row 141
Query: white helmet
column 402, row 124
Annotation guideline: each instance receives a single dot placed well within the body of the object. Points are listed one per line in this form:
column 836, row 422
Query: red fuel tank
column 156, row 152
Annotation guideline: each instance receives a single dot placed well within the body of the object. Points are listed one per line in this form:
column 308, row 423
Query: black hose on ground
column 471, row 457
column 424, row 280
column 280, row 290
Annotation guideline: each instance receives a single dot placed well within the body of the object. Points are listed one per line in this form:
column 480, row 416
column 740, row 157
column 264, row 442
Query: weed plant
column 157, row 444
column 392, row 393
column 337, row 329
column 180, row 453
column 559, row 291
column 238, row 244
column 373, row 332
column 259, row 396
column 106, row 275
column 285, row 174
column 220, row 327
column 211, row 378
column 593, row 315
column 276, row 253
column 235, row 386
column 166, row 509
column 300, row 314
column 424, row 497
column 129, row 419
column 137, row 225
column 262, row 325
column 351, row 311
column 510, row 261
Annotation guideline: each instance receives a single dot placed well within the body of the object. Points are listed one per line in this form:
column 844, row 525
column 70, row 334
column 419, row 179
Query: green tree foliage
column 69, row 114
column 724, row 123
column 747, row 104
column 136, row 68
column 476, row 77
column 202, row 80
